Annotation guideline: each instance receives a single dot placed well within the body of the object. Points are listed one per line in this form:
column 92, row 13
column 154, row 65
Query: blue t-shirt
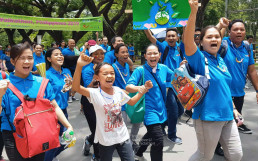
column 107, row 47
column 125, row 71
column 238, row 70
column 87, row 74
column 86, row 51
column 1, row 52
column 8, row 63
column 28, row 86
column 131, row 50
column 57, row 81
column 155, row 109
column 110, row 57
column 61, row 48
column 38, row 60
column 217, row 104
column 173, row 58
column 68, row 52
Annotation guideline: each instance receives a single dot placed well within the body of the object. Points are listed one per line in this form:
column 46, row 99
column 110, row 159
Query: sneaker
column 54, row 159
column 244, row 129
column 86, row 147
column 95, row 158
column 70, row 100
column 176, row 140
column 138, row 158
column 75, row 99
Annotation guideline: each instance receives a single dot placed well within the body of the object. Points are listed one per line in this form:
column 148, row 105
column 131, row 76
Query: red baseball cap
column 92, row 42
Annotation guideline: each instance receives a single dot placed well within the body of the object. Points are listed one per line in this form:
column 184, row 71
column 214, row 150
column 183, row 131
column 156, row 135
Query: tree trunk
column 200, row 13
column 78, row 35
column 24, row 35
column 56, row 35
column 10, row 33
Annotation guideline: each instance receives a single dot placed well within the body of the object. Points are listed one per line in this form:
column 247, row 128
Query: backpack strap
column 16, row 92
column 3, row 75
column 223, row 49
column 42, row 88
column 207, row 72
column 165, row 54
column 247, row 47
column 180, row 52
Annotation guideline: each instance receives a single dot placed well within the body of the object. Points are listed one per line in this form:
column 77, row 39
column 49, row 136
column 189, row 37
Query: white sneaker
column 55, row 159
column 70, row 100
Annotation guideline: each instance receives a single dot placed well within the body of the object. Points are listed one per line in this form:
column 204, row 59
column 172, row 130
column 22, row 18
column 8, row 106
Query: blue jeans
column 175, row 110
column 49, row 155
column 125, row 151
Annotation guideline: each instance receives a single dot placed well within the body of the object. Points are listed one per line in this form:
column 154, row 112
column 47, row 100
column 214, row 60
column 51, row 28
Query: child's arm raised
column 82, row 61
column 142, row 90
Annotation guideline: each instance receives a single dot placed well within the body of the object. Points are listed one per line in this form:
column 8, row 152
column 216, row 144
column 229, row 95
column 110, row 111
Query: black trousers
column 12, row 152
column 90, row 115
column 238, row 102
column 153, row 136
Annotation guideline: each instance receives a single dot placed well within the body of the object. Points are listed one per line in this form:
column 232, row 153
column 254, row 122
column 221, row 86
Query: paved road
column 171, row 152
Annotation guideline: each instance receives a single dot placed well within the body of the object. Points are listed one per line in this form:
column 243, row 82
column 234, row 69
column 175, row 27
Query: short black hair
column 249, row 36
column 235, row 21
column 172, row 29
column 197, row 29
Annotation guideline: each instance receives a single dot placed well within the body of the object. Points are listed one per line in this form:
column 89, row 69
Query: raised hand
column 224, row 22
column 84, row 60
column 3, row 87
column 148, row 84
column 193, row 5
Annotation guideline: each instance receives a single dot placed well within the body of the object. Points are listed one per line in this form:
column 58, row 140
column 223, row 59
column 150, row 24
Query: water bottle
column 67, row 137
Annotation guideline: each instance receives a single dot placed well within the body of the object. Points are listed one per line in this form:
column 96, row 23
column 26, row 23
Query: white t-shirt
column 110, row 126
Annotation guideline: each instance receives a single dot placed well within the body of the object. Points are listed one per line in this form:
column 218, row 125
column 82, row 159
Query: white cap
column 95, row 48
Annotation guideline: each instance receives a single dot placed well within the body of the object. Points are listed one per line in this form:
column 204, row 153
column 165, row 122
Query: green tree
column 111, row 10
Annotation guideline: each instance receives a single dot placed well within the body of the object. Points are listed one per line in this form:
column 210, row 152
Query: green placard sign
column 42, row 23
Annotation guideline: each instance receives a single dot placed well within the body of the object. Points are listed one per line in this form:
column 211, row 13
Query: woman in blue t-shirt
column 214, row 116
column 38, row 58
column 122, row 73
column 155, row 109
column 27, row 84
column 61, row 82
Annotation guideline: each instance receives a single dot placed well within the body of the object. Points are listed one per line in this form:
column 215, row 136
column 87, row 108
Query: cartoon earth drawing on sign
column 163, row 13
column 162, row 17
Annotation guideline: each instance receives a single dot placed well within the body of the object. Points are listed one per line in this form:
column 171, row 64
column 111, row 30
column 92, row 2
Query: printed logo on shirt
column 114, row 117
column 247, row 55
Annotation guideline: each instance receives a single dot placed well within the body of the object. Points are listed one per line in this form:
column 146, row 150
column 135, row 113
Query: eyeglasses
column 196, row 35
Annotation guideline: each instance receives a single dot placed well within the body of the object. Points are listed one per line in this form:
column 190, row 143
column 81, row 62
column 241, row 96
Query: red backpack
column 37, row 129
